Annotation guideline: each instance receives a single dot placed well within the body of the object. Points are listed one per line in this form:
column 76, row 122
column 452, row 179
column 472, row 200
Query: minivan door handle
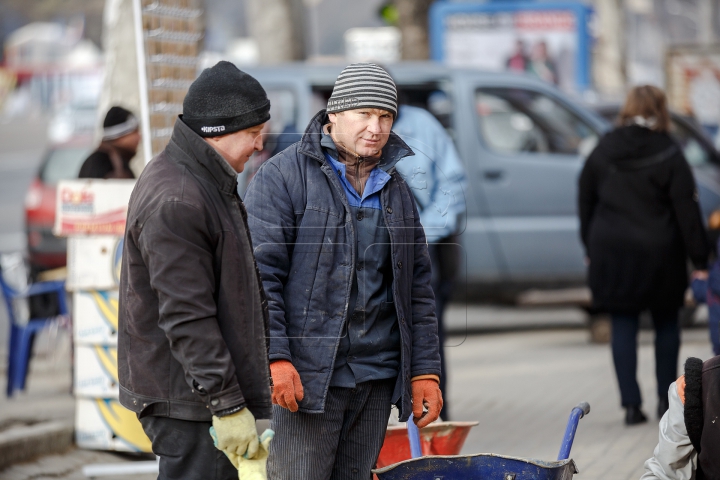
column 493, row 175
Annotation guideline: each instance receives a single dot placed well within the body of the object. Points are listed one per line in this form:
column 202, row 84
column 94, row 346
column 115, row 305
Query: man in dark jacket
column 192, row 349
column 120, row 140
column 345, row 264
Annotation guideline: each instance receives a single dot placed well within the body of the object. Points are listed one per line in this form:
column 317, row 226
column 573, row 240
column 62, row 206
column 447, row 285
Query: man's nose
column 374, row 126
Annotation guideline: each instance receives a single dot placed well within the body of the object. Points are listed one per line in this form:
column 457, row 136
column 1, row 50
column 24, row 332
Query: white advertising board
column 693, row 81
column 93, row 262
column 96, row 371
column 104, row 424
column 543, row 43
column 95, row 317
column 92, row 207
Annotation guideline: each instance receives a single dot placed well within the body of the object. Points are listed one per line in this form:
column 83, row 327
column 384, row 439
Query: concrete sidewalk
column 48, row 401
column 520, row 386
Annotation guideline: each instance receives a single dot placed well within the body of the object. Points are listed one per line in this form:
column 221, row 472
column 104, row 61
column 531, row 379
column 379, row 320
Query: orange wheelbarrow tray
column 439, row 438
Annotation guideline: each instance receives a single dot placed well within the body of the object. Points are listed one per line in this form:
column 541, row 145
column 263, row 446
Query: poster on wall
column 693, row 83
column 548, row 41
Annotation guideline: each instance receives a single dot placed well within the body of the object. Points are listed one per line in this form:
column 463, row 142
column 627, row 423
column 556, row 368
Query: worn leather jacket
column 192, row 337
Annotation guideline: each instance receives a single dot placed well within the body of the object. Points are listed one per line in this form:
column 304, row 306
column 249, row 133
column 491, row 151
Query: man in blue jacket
column 345, row 265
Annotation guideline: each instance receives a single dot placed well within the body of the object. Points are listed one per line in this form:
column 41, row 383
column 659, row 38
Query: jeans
column 704, row 294
column 714, row 326
column 624, row 351
column 186, row 450
column 343, row 443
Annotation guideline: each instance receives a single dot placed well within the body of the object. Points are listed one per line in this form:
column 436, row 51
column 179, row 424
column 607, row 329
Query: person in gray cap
column 120, row 140
column 192, row 351
column 345, row 265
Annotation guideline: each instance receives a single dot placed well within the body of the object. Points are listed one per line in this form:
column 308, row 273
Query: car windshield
column 63, row 164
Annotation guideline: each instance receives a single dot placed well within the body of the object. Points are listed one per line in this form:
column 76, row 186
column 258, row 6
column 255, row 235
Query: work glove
column 256, row 468
column 287, row 389
column 235, row 435
column 426, row 394
column 250, row 469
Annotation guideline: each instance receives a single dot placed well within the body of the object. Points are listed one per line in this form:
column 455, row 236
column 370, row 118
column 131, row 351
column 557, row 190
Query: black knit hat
column 223, row 100
column 118, row 123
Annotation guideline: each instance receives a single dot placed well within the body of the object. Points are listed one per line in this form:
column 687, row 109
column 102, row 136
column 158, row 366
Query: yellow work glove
column 235, row 435
column 256, row 468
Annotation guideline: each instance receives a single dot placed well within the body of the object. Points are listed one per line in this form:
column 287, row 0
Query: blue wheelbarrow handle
column 414, row 438
column 577, row 413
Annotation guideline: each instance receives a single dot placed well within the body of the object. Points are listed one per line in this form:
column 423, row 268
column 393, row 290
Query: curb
column 25, row 443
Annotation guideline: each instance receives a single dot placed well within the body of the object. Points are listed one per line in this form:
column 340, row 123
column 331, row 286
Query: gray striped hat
column 363, row 85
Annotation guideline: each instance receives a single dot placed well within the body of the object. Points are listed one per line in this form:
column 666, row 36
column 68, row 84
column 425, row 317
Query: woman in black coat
column 640, row 221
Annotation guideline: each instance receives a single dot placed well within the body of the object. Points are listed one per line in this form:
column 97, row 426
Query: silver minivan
column 523, row 143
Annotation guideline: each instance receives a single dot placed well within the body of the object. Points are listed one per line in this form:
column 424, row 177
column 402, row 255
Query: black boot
column 663, row 406
column 633, row 415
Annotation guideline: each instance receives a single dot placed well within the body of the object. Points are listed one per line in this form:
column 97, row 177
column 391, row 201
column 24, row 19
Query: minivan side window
column 694, row 151
column 514, row 120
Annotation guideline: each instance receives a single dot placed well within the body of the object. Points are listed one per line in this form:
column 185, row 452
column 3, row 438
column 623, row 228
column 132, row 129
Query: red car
column 61, row 162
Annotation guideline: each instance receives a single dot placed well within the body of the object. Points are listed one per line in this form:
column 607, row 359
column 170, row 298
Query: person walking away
column 639, row 221
column 192, row 350
column 689, row 440
column 120, row 140
column 437, row 179
column 344, row 262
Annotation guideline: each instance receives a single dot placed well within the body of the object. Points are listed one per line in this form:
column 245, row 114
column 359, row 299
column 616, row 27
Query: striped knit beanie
column 363, row 85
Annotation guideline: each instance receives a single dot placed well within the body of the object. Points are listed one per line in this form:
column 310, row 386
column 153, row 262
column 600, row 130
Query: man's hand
column 699, row 275
column 235, row 435
column 256, row 468
column 287, row 388
column 426, row 393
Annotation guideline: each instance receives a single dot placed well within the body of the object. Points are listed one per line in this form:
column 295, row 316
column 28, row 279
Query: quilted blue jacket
column 303, row 240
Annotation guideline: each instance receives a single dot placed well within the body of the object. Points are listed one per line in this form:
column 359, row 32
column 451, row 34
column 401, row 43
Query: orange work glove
column 287, row 389
column 426, row 392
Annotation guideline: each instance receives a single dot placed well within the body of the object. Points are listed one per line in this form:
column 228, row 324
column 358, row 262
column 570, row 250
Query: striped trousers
column 341, row 444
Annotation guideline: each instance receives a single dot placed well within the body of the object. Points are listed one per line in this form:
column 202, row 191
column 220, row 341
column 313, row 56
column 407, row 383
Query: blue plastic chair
column 22, row 336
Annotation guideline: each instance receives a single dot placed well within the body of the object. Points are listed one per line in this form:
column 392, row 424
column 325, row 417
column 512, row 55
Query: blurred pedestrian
column 518, row 61
column 120, row 140
column 689, row 440
column 640, row 220
column 344, row 261
column 192, row 351
column 541, row 64
column 437, row 180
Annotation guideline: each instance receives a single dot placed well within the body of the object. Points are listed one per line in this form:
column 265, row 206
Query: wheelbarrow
column 485, row 466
